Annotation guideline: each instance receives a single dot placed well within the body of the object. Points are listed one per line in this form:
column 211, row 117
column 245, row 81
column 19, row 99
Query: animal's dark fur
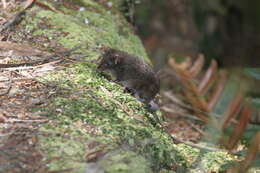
column 133, row 73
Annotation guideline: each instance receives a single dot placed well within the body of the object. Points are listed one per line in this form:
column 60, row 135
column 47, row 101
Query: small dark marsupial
column 135, row 75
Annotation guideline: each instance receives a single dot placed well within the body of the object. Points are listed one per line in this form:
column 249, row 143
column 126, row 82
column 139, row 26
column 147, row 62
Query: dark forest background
column 226, row 30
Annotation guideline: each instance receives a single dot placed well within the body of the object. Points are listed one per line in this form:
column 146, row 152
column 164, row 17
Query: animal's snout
column 152, row 106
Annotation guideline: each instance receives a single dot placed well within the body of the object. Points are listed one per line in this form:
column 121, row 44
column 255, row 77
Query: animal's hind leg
column 139, row 96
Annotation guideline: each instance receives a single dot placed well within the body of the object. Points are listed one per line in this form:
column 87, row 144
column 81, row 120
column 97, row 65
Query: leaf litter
column 21, row 65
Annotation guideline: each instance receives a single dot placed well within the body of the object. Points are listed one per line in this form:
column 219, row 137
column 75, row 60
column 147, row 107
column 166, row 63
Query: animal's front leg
column 153, row 106
column 130, row 91
column 117, row 81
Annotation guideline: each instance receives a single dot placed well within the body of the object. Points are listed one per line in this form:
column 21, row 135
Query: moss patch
column 86, row 27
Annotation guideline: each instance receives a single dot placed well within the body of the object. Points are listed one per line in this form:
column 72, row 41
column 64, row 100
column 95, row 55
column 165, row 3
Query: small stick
column 183, row 114
column 197, row 129
column 4, row 4
column 124, row 108
column 15, row 19
column 201, row 147
column 10, row 68
column 18, row 79
column 9, row 86
column 29, row 121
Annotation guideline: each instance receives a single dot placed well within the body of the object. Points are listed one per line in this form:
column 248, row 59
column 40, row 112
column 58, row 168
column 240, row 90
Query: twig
column 63, row 170
column 123, row 107
column 68, row 52
column 14, row 20
column 93, row 154
column 42, row 5
column 28, row 4
column 29, row 121
column 201, row 147
column 170, row 96
column 99, row 100
column 9, row 86
column 35, row 64
column 191, row 116
column 18, row 79
column 197, row 129
column 4, row 4
column 14, row 67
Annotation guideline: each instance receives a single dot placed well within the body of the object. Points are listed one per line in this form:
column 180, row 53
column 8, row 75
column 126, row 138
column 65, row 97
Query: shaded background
column 227, row 30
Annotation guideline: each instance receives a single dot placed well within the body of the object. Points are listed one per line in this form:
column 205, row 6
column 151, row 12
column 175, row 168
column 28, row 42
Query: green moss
column 102, row 28
column 188, row 153
column 111, row 120
column 121, row 161
column 211, row 161
column 83, row 100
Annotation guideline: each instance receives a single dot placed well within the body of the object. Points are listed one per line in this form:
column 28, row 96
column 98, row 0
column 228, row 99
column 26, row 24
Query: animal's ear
column 118, row 59
column 104, row 49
